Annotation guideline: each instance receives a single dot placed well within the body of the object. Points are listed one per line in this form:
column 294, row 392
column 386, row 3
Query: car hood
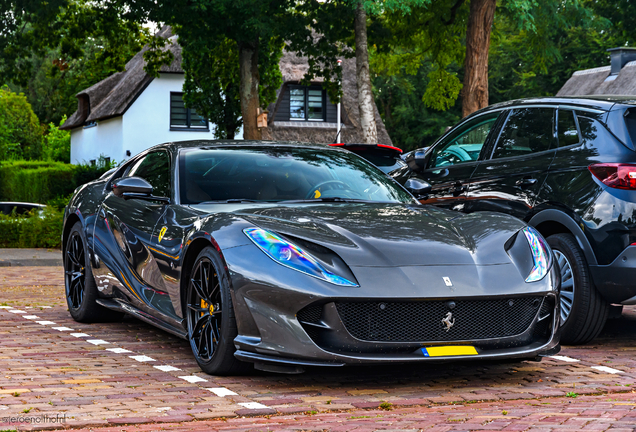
column 387, row 235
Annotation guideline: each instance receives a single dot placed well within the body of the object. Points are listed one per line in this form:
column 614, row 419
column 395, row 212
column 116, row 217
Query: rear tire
column 588, row 310
column 80, row 289
column 210, row 316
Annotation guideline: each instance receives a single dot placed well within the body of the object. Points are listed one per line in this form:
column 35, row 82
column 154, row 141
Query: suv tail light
column 615, row 175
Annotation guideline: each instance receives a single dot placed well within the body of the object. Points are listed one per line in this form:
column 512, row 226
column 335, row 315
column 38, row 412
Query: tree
column 20, row 131
column 475, row 90
column 256, row 28
column 52, row 50
column 363, row 78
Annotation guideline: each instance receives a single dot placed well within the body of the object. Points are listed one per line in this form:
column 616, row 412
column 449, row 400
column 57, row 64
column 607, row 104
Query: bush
column 36, row 181
column 36, row 229
column 43, row 181
column 21, row 135
column 57, row 145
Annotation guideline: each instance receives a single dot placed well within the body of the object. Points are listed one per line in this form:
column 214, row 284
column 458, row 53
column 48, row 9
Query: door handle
column 526, row 181
column 458, row 189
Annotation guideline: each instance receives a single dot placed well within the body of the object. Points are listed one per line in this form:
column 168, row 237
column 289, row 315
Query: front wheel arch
column 552, row 221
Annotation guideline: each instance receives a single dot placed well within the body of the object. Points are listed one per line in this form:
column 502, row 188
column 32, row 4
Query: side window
column 464, row 146
column 568, row 133
column 155, row 169
column 527, row 130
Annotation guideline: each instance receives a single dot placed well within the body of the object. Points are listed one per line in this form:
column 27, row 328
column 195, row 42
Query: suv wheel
column 583, row 310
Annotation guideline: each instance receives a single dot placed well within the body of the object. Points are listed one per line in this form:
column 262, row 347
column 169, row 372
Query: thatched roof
column 112, row 96
column 617, row 79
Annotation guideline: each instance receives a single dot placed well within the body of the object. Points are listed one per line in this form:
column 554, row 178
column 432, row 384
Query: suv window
column 465, row 145
column 155, row 169
column 568, row 133
column 527, row 130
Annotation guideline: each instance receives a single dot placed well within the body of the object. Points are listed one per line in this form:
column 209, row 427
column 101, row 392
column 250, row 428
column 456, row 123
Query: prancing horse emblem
column 449, row 321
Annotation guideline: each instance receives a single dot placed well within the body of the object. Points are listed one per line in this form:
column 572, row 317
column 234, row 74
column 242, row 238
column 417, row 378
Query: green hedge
column 43, row 181
column 37, row 229
column 35, row 181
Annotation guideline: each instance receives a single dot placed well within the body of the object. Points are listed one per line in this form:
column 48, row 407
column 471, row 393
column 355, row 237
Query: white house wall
column 104, row 139
column 146, row 123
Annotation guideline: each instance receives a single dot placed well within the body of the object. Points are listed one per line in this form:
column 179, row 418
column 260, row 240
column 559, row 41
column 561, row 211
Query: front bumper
column 274, row 327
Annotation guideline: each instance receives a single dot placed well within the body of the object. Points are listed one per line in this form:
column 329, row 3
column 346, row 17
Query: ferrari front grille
column 430, row 321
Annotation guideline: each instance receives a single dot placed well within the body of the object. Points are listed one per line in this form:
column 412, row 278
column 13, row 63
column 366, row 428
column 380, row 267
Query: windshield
column 282, row 174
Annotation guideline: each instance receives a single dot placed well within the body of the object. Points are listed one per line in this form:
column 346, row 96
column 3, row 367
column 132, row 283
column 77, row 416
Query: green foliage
column 87, row 172
column 20, row 131
column 44, row 181
column 428, row 34
column 536, row 60
column 58, row 144
column 409, row 122
column 35, row 181
column 52, row 50
column 41, row 229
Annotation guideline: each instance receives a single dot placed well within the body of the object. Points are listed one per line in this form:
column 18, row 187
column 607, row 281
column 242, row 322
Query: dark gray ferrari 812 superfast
column 290, row 255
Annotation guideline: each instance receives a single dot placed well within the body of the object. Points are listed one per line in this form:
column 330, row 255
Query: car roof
column 598, row 102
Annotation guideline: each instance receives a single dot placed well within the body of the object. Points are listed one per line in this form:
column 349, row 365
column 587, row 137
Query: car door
column 510, row 179
column 125, row 227
column 453, row 160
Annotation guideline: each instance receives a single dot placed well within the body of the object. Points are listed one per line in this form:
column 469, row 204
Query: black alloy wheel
column 204, row 310
column 81, row 291
column 75, row 270
column 210, row 316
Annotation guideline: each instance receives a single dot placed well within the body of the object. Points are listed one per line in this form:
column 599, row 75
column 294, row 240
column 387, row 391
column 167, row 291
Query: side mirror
column 419, row 188
column 418, row 159
column 132, row 185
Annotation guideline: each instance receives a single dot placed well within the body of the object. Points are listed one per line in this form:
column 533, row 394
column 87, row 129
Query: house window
column 182, row 118
column 307, row 103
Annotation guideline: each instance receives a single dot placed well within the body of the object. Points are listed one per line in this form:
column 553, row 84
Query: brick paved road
column 130, row 376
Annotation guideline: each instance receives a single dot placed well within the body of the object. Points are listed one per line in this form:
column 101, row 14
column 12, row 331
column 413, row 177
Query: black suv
column 567, row 166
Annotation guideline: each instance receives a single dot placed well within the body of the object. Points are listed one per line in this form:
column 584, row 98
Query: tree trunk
column 365, row 94
column 248, row 66
column 475, row 90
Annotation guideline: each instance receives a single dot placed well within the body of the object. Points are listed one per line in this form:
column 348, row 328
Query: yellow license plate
column 443, row 351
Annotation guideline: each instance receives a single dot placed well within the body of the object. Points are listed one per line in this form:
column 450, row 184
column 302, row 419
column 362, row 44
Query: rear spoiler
column 351, row 146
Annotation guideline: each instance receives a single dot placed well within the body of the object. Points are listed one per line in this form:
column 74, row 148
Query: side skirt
column 120, row 306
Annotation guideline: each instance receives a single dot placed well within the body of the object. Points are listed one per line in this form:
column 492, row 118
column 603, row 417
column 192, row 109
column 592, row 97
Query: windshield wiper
column 231, row 201
column 328, row 199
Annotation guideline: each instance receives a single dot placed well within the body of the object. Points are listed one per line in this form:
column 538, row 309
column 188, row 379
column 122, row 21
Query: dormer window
column 307, row 103
column 182, row 118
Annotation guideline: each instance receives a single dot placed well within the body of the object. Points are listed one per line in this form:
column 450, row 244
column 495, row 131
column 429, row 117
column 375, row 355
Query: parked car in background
column 385, row 157
column 7, row 207
column 567, row 166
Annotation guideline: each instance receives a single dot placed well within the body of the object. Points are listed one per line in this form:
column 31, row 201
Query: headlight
column 289, row 255
column 541, row 254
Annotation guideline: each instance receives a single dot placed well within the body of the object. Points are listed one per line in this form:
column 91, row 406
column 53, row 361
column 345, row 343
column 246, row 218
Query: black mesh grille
column 310, row 314
column 420, row 321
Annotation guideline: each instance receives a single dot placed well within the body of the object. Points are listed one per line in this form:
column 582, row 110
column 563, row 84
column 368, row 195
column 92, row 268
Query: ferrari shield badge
column 162, row 232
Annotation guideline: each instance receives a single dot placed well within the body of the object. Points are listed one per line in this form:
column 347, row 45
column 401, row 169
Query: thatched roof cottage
column 131, row 111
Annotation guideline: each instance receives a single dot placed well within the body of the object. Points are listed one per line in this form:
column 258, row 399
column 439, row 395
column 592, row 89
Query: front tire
column 583, row 310
column 210, row 316
column 81, row 291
